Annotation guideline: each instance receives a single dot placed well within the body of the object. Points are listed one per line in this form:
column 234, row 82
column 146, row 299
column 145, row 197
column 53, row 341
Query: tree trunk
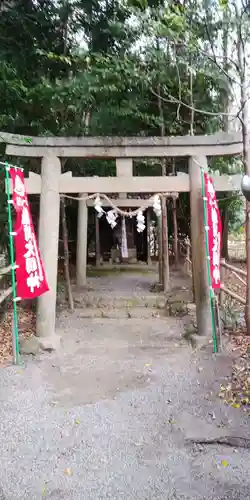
column 66, row 255
column 225, row 222
column 241, row 49
column 148, row 219
column 165, row 260
column 175, row 226
column 225, row 213
column 97, row 241
column 164, row 228
column 159, row 234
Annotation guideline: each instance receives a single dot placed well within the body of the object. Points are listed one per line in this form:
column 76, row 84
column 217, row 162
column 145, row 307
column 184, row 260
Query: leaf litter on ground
column 26, row 328
column 236, row 391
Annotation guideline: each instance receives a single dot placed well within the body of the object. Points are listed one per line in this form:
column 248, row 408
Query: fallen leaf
column 224, row 463
column 44, row 492
column 77, row 422
column 235, row 405
column 68, row 471
column 171, row 421
column 148, row 364
column 245, row 401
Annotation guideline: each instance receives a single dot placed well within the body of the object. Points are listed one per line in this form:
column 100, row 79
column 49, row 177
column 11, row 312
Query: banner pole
column 15, row 343
column 215, row 348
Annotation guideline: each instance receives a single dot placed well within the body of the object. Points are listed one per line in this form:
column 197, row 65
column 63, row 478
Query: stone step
column 107, row 301
column 137, row 313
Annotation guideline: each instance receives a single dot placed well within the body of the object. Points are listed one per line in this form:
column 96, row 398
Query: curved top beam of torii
column 218, row 144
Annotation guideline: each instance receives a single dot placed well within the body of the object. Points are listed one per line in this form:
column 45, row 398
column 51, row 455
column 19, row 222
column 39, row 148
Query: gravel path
column 108, row 415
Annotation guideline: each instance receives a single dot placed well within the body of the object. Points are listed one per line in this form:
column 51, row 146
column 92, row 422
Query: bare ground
column 109, row 414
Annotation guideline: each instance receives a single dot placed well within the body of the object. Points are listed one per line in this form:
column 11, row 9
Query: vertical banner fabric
column 31, row 281
column 214, row 231
column 124, row 245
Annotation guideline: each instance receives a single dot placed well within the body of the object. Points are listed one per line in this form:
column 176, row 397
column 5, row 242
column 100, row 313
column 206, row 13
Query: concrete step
column 113, row 313
column 109, row 301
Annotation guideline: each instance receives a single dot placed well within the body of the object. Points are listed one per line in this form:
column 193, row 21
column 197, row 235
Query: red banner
column 214, row 231
column 30, row 276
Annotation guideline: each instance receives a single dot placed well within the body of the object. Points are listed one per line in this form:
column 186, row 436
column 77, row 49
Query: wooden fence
column 236, row 250
column 5, row 292
column 237, row 247
column 227, row 270
column 239, row 274
column 185, row 254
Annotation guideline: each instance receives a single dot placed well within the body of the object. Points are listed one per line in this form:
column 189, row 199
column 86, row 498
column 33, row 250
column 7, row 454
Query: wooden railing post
column 222, row 280
column 97, row 242
column 188, row 259
column 5, row 293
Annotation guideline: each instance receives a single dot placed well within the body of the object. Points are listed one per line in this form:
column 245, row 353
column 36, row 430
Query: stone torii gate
column 51, row 183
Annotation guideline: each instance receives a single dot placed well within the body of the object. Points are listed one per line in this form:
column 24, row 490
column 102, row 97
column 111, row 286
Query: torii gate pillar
column 82, row 242
column 48, row 243
column 199, row 264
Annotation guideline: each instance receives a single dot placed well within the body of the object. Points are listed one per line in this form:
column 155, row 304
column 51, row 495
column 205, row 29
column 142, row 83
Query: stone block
column 29, row 346
column 49, row 344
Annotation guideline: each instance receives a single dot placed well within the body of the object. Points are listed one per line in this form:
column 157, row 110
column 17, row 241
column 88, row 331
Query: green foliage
column 109, row 88
column 85, row 67
column 4, row 240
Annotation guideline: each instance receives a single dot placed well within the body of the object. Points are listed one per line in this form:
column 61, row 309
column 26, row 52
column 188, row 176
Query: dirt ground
column 110, row 415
